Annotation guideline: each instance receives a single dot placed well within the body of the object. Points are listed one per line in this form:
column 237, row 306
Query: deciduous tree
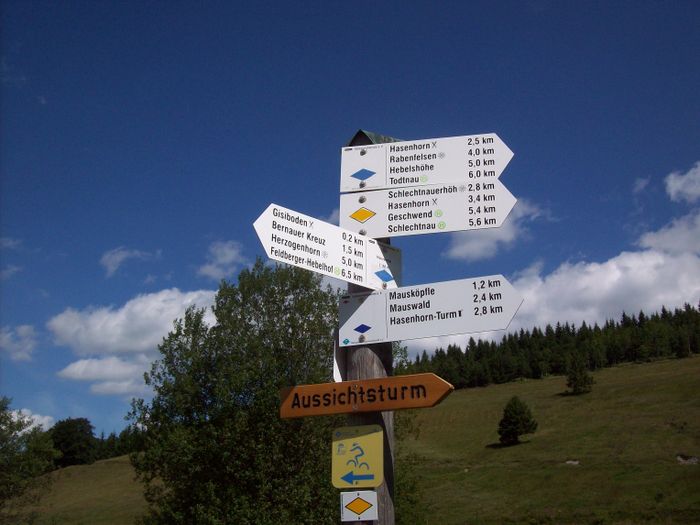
column 25, row 454
column 214, row 447
column 74, row 438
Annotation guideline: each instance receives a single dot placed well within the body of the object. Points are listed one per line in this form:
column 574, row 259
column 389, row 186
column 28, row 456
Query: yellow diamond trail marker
column 297, row 239
column 358, row 457
column 437, row 208
column 450, row 160
column 359, row 506
column 362, row 215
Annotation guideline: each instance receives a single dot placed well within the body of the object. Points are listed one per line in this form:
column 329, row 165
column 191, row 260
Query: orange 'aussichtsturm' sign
column 367, row 395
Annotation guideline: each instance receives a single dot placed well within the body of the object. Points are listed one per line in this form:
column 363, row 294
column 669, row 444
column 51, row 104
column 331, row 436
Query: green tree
column 74, row 438
column 107, row 447
column 214, row 447
column 129, row 440
column 25, row 454
column 577, row 377
column 517, row 420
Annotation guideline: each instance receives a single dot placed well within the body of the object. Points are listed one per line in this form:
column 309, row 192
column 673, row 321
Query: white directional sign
column 422, row 162
column 429, row 310
column 297, row 239
column 426, row 209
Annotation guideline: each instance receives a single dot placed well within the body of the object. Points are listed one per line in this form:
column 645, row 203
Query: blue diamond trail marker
column 362, row 174
column 384, row 276
column 362, row 328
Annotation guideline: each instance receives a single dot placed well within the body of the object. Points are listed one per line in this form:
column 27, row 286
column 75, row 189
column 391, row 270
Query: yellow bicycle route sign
column 358, row 457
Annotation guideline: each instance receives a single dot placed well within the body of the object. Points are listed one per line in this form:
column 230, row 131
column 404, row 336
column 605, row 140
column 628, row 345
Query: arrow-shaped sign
column 438, row 208
column 422, row 162
column 367, row 395
column 430, row 310
column 297, row 239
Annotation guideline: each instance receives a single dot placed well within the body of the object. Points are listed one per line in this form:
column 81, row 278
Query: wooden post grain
column 369, row 362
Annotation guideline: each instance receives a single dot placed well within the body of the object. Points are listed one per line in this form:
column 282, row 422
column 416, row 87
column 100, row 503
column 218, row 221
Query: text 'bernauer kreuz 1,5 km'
column 297, row 239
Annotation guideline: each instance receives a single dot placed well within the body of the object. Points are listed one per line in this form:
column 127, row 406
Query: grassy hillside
column 98, row 494
column 625, row 436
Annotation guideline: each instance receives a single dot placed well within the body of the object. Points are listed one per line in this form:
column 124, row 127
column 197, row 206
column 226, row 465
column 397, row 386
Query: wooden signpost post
column 392, row 188
column 370, row 362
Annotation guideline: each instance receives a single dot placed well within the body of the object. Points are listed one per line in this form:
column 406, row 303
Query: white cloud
column 9, row 75
column 105, row 369
column 682, row 235
column 594, row 292
column 111, row 375
column 8, row 271
column 113, row 259
column 129, row 388
column 19, row 342
column 8, row 243
column 665, row 273
column 640, row 184
column 483, row 244
column 684, row 187
column 223, row 259
column 430, row 344
column 333, row 218
column 137, row 326
column 37, row 420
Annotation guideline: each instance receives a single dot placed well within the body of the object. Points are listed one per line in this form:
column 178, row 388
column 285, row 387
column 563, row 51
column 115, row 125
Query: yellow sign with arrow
column 358, row 457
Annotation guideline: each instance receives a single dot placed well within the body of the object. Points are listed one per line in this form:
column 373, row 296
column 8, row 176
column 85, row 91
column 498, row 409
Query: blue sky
column 139, row 141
